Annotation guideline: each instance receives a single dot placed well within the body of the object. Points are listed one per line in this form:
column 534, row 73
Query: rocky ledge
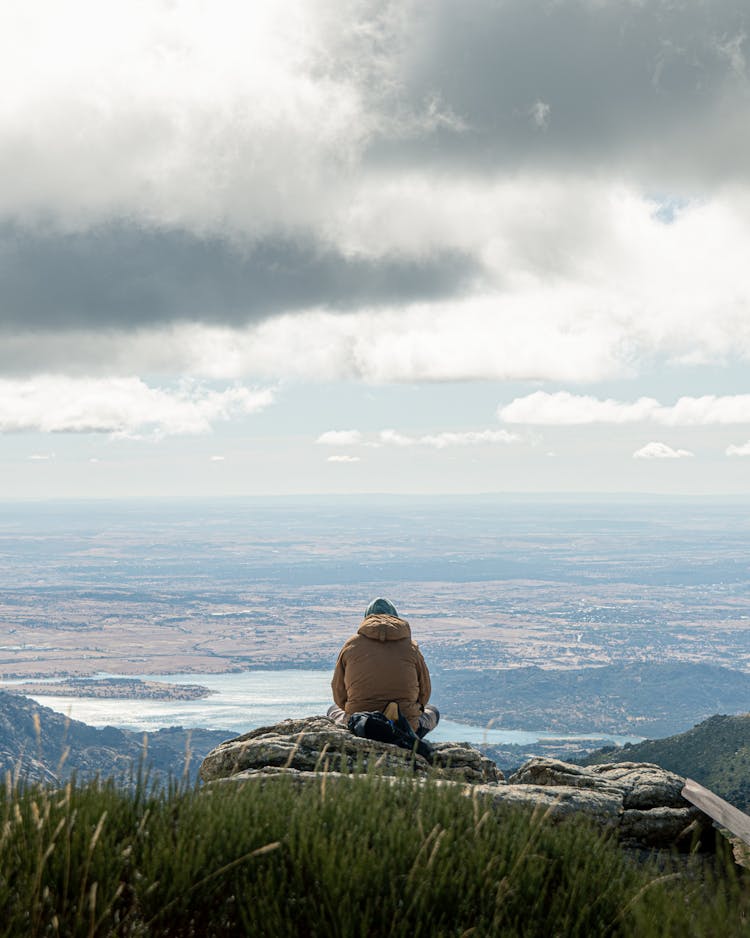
column 641, row 802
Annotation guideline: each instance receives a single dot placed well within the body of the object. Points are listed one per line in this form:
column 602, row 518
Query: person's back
column 381, row 665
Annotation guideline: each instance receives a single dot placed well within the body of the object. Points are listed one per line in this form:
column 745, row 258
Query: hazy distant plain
column 184, row 586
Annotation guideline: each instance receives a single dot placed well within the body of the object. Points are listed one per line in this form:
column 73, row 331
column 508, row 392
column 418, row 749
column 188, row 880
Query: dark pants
column 428, row 719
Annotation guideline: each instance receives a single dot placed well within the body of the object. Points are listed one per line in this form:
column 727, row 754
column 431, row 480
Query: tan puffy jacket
column 379, row 664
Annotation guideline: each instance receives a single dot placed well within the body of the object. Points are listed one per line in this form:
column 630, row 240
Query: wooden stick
column 735, row 821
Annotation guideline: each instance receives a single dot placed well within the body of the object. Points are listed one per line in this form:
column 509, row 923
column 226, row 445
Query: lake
column 245, row 700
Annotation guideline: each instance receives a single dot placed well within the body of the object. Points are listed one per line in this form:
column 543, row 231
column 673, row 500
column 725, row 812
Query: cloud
column 125, row 275
column 390, row 192
column 217, row 458
column 563, row 408
column 540, row 114
column 343, row 459
column 742, row 449
column 657, row 88
column 706, row 410
column 266, row 117
column 433, row 440
column 448, row 438
column 176, row 116
column 340, row 438
column 120, row 406
column 483, row 338
column 655, row 450
column 573, row 283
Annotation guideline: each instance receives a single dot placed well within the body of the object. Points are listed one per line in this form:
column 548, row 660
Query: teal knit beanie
column 381, row 606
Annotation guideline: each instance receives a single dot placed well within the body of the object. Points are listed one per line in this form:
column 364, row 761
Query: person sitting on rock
column 381, row 668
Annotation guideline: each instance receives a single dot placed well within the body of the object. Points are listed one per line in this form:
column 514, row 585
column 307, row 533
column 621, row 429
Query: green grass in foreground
column 358, row 857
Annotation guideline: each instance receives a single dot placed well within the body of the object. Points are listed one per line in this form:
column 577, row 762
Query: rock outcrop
column 639, row 801
column 316, row 744
column 649, row 807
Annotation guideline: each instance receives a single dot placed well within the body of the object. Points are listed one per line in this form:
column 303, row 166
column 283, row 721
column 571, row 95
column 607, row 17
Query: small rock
column 462, row 762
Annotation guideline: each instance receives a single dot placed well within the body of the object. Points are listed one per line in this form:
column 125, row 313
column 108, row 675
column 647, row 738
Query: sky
column 326, row 246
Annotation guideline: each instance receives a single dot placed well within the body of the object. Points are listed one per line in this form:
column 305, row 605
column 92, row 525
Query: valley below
column 577, row 618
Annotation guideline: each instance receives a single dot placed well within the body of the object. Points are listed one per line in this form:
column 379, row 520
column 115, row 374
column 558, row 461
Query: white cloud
column 391, row 437
column 540, row 114
column 340, row 438
column 471, row 338
column 41, row 457
column 581, row 283
column 181, row 116
column 394, row 438
column 267, row 122
column 655, row 450
column 448, row 438
column 743, row 449
column 563, row 408
column 122, row 406
column 706, row 410
column 343, row 459
column 261, row 117
column 217, row 458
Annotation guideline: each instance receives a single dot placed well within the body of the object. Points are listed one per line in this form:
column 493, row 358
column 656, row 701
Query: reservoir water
column 243, row 701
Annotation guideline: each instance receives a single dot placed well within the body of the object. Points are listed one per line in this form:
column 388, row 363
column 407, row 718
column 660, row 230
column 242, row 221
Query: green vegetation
column 43, row 745
column 715, row 753
column 339, row 858
column 639, row 697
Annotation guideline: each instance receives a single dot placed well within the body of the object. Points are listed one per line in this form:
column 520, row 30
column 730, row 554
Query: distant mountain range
column 715, row 753
column 38, row 744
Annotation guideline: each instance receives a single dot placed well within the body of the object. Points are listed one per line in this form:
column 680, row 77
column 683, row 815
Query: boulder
column 663, row 827
column 560, row 801
column 317, row 744
column 640, row 802
column 640, row 784
column 652, row 811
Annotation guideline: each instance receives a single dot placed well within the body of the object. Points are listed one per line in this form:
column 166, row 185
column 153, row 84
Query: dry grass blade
column 644, row 889
column 295, row 750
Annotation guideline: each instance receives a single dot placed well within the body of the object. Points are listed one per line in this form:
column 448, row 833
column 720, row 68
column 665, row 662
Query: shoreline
column 110, row 688
column 264, row 696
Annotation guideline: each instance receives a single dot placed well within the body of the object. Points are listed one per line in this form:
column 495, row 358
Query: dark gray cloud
column 125, row 276
column 658, row 86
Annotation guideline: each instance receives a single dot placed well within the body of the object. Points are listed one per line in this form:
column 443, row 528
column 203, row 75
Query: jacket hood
column 383, row 628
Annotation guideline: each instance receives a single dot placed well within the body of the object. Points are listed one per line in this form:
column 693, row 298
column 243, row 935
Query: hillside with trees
column 39, row 744
column 715, row 753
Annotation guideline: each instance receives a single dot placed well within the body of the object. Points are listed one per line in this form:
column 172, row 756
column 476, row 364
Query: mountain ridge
column 39, row 744
column 636, row 698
